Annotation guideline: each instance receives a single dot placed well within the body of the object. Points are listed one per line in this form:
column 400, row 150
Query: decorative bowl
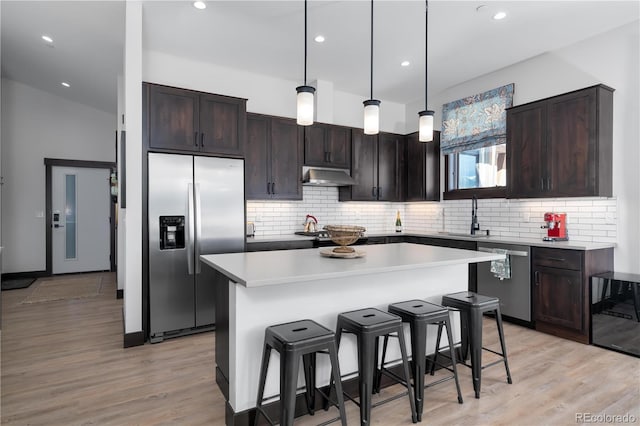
column 343, row 235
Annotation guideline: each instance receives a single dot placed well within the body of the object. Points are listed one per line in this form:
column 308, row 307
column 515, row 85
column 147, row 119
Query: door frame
column 57, row 162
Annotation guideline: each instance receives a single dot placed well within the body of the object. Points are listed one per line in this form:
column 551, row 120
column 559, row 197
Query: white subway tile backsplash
column 589, row 218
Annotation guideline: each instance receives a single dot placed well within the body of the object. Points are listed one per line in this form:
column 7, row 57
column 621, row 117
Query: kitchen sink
column 481, row 234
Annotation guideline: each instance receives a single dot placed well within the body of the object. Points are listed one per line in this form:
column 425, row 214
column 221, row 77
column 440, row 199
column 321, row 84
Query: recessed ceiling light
column 47, row 39
column 500, row 15
column 319, row 38
column 405, row 63
column 199, row 5
column 65, row 84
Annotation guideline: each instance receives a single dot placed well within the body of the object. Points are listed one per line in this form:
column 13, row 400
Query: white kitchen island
column 255, row 290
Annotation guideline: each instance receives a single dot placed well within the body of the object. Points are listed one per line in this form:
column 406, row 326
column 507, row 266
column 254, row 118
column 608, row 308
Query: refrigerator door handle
column 198, row 221
column 190, row 230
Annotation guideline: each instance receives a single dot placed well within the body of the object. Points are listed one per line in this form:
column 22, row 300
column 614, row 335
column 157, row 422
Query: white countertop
column 259, row 269
column 568, row 245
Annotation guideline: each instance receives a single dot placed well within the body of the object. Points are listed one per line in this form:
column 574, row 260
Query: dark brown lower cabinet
column 560, row 286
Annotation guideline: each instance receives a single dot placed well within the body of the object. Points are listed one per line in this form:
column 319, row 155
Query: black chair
column 369, row 325
column 293, row 340
column 472, row 306
column 419, row 314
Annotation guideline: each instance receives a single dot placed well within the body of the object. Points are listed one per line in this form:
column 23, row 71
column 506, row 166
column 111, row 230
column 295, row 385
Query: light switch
column 39, row 214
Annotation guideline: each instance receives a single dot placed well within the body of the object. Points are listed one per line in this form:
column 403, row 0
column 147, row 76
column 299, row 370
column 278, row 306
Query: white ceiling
column 267, row 37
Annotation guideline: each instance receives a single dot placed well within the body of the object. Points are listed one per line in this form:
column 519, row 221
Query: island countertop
column 290, row 266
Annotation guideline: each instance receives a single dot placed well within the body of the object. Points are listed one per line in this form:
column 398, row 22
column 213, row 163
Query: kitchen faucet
column 475, row 226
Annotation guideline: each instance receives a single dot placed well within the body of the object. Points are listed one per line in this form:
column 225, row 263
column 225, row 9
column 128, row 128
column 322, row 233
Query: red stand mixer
column 556, row 227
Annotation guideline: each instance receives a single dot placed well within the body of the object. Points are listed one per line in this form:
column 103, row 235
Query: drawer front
column 557, row 258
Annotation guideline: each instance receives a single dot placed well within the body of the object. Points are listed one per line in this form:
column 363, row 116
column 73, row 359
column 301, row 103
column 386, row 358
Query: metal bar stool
column 293, row 340
column 369, row 325
column 419, row 314
column 471, row 306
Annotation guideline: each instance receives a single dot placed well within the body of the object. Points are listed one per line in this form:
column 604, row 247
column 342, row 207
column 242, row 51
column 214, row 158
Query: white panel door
column 80, row 219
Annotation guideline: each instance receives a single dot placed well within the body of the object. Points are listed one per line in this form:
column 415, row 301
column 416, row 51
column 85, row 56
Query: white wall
column 611, row 58
column 132, row 215
column 266, row 95
column 38, row 124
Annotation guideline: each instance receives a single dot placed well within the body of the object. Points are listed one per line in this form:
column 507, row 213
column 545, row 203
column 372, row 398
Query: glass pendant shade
column 305, row 105
column 371, row 117
column 425, row 126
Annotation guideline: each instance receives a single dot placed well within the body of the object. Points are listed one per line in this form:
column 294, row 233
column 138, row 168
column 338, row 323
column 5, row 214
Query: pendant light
column 371, row 106
column 305, row 93
column 425, row 126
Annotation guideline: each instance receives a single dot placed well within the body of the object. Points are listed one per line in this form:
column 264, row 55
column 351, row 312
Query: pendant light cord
column 371, row 68
column 305, row 42
column 426, row 50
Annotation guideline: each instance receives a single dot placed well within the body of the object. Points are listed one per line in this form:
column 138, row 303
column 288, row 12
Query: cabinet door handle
column 541, row 184
column 201, row 140
column 548, row 184
column 195, row 138
column 536, row 278
column 273, row 187
column 556, row 259
column 268, row 188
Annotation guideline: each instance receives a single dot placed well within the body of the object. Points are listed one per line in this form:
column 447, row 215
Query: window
column 473, row 139
column 478, row 168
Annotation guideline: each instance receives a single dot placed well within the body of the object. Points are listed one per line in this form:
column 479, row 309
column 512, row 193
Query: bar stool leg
column 475, row 341
column 366, row 348
column 452, row 354
column 502, row 344
column 418, row 347
column 377, row 372
column 266, row 353
column 331, row 379
column 335, row 375
column 289, row 367
column 435, row 354
column 407, row 375
column 309, row 366
column 384, row 356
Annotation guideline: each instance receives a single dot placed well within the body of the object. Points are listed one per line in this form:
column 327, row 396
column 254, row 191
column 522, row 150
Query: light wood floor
column 63, row 364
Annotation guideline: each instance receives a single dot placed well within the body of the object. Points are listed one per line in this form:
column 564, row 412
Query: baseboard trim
column 133, row 339
column 20, row 275
column 119, row 293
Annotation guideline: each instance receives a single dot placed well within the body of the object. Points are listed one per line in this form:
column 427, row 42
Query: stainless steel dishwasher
column 514, row 293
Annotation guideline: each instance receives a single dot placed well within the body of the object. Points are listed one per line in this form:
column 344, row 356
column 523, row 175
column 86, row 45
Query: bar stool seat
column 419, row 314
column 369, row 325
column 472, row 306
column 304, row 338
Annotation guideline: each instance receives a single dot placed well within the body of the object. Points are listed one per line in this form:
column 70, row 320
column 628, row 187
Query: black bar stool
column 369, row 325
column 293, row 340
column 419, row 314
column 471, row 306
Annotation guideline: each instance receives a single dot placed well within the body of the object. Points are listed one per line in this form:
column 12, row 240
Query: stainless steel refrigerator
column 196, row 206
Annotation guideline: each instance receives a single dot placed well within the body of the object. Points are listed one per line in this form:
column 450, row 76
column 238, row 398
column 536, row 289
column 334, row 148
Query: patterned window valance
column 476, row 121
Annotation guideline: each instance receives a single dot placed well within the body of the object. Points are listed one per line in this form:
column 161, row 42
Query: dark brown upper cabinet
column 562, row 146
column 186, row 120
column 377, row 162
column 423, row 168
column 273, row 161
column 327, row 145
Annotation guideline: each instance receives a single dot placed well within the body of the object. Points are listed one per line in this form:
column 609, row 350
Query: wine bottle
column 398, row 222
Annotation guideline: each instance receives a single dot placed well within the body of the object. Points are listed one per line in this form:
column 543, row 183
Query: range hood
column 320, row 176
